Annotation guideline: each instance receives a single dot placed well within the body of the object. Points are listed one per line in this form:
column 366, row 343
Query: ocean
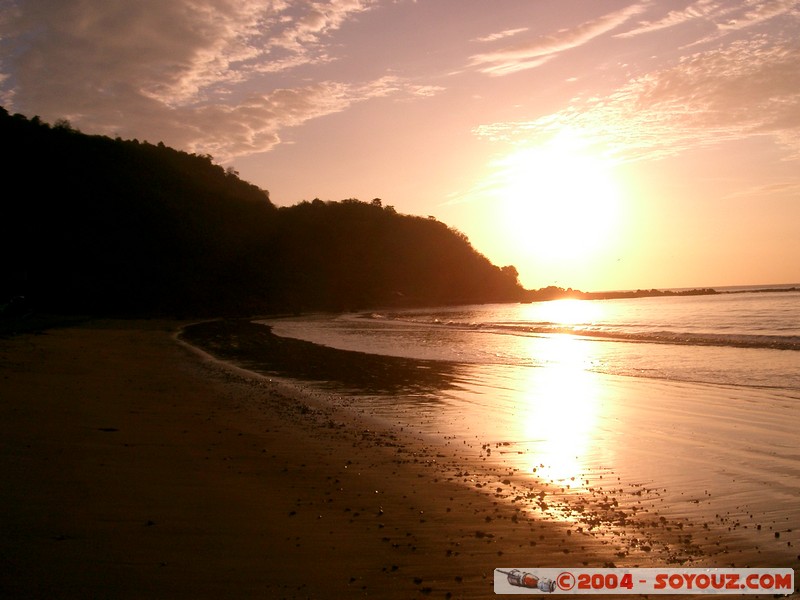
column 671, row 412
column 726, row 338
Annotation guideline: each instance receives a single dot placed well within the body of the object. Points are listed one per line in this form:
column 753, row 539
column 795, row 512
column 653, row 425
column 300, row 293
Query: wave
column 618, row 333
column 774, row 342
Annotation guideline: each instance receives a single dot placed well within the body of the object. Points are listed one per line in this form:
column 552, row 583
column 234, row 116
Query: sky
column 593, row 144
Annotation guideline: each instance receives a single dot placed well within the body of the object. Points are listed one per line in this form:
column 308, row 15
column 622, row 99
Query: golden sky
column 602, row 144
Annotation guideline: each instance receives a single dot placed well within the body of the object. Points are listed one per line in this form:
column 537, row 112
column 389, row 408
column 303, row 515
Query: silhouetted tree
column 113, row 226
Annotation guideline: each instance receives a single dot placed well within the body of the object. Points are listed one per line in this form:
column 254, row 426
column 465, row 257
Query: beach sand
column 135, row 466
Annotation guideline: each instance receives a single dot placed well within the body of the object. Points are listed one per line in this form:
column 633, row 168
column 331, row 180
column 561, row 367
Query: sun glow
column 559, row 201
column 567, row 312
column 560, row 412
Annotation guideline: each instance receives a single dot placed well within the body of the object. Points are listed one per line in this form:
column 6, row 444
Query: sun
column 558, row 202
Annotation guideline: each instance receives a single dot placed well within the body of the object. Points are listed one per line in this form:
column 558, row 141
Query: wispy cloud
column 755, row 12
column 749, row 88
column 697, row 10
column 182, row 70
column 722, row 17
column 226, row 130
column 511, row 59
column 493, row 37
column 782, row 188
column 253, row 125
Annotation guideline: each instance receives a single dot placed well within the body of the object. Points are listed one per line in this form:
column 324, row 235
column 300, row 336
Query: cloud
column 512, row 59
column 250, row 125
column 723, row 16
column 697, row 10
column 493, row 37
column 782, row 188
column 758, row 12
column 186, row 68
column 425, row 91
column 749, row 88
column 167, row 50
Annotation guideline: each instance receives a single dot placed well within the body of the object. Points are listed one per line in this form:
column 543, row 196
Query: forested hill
column 93, row 225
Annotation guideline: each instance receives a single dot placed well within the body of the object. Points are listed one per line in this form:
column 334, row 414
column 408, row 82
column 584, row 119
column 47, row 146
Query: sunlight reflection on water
column 627, row 430
column 565, row 312
column 559, row 410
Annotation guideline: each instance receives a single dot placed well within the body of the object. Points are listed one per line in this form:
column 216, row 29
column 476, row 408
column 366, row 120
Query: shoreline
column 136, row 467
column 140, row 466
column 642, row 521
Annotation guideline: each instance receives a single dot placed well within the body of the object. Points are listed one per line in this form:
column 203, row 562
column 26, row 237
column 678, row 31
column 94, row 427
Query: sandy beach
column 135, row 465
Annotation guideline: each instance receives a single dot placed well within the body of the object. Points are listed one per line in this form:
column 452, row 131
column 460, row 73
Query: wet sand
column 134, row 467
column 687, row 474
column 137, row 466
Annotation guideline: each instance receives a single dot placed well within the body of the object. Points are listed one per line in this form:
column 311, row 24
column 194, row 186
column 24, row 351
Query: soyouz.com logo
column 643, row 581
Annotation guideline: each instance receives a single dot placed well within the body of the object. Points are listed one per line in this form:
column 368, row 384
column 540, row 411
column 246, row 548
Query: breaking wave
column 608, row 333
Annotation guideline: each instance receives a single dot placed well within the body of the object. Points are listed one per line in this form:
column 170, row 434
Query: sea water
column 693, row 399
column 732, row 338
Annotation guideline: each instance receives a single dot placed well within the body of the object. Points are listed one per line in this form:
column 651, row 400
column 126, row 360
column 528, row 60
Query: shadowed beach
column 137, row 466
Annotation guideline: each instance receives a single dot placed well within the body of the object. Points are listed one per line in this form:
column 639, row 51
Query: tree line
column 95, row 225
